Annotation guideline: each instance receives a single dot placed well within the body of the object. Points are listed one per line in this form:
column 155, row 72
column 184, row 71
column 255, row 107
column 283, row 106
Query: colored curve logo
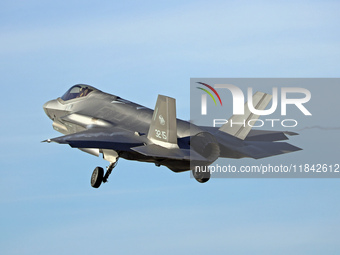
column 209, row 93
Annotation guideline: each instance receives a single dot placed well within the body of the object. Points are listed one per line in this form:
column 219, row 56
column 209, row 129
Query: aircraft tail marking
column 163, row 126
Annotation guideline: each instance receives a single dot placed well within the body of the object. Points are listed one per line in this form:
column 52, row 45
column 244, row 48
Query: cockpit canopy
column 77, row 91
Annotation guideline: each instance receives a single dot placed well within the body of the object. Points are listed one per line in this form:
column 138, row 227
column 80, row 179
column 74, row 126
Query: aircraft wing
column 123, row 140
column 266, row 135
column 103, row 138
column 255, row 149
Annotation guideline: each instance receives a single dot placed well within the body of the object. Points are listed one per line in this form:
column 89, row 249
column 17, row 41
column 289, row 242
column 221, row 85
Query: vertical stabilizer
column 237, row 125
column 163, row 126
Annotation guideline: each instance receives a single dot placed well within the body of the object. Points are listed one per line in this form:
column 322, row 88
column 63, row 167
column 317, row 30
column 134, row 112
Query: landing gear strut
column 98, row 175
column 109, row 170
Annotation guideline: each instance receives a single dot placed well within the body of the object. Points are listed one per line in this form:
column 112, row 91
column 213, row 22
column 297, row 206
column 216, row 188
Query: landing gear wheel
column 201, row 176
column 97, row 177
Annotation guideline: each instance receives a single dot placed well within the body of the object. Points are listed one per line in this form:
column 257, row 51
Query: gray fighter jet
column 100, row 123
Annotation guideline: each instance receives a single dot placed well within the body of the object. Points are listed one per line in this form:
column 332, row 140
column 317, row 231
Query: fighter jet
column 104, row 124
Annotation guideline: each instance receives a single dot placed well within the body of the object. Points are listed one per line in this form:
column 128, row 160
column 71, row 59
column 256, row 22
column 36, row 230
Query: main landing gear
column 201, row 176
column 98, row 175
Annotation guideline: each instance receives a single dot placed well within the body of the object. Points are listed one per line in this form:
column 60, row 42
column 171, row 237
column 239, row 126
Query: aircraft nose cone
column 45, row 107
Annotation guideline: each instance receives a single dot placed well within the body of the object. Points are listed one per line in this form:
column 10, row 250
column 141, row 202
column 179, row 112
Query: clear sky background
column 138, row 49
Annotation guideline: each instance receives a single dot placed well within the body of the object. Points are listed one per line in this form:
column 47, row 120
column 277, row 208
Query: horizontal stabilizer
column 266, row 135
column 237, row 125
column 259, row 150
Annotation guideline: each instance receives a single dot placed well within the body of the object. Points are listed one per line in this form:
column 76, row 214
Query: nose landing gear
column 98, row 175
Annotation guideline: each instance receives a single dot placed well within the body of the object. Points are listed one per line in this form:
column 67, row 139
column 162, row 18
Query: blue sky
column 137, row 50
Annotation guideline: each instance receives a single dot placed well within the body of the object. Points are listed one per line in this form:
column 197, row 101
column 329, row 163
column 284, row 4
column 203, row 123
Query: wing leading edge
column 110, row 138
